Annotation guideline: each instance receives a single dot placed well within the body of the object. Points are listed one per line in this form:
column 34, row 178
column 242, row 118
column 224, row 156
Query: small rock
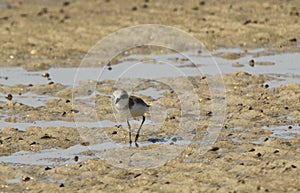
column 46, row 136
column 32, row 143
column 85, row 143
column 76, row 158
column 66, row 3
column 46, row 75
column 251, row 63
column 114, row 133
column 258, row 154
column 209, row 113
column 74, row 111
column 26, row 179
column 9, row 97
column 266, row 139
column 214, row 149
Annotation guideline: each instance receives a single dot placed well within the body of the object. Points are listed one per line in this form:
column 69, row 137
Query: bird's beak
column 117, row 100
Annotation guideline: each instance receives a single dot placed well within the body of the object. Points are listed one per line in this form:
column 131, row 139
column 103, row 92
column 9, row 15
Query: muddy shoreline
column 247, row 156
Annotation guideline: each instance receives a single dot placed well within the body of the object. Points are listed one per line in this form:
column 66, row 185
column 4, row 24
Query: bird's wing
column 133, row 99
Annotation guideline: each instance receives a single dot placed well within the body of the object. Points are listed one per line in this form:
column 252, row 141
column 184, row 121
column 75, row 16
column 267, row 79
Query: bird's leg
column 129, row 128
column 138, row 132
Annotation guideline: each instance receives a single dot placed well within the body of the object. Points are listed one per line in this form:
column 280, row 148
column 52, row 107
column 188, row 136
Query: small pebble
column 209, row 113
column 9, row 97
column 251, row 63
column 74, row 111
column 214, row 149
column 46, row 75
column 66, row 3
column 114, row 133
column 266, row 139
column 33, row 143
column 26, row 179
column 258, row 155
column 85, row 143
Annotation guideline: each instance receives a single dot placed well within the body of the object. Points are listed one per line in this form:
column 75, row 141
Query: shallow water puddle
column 23, row 126
column 55, row 157
column 286, row 131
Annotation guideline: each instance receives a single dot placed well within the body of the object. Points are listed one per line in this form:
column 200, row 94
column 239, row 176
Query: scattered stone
column 251, row 63
column 26, row 179
column 9, row 97
column 74, row 111
column 114, row 133
column 214, row 149
column 46, row 75
column 209, row 113
column 86, row 143
column 66, row 3
column 266, row 139
column 258, row 154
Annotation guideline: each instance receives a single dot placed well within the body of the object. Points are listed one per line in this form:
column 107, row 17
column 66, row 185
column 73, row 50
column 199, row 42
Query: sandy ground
column 43, row 34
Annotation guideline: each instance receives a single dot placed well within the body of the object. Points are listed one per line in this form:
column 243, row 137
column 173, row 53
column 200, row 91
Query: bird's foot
column 136, row 144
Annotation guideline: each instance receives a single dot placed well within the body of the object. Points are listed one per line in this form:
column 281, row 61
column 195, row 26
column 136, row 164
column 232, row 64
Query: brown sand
column 41, row 34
